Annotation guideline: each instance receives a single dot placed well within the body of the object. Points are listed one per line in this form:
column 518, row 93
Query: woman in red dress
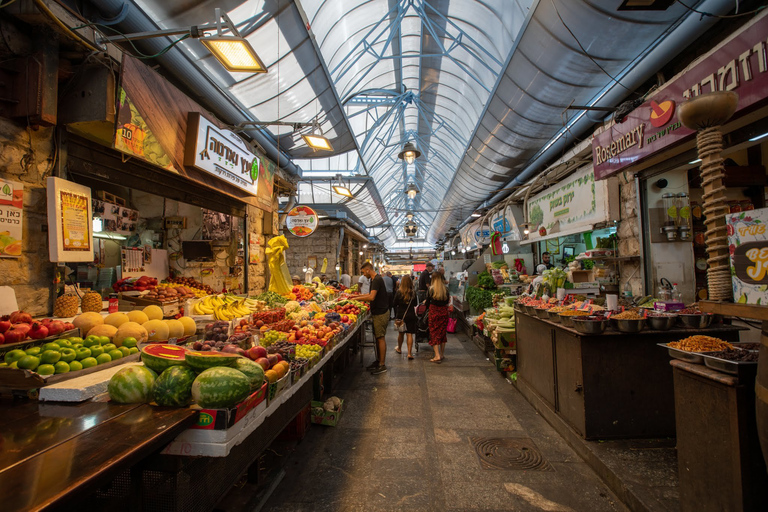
column 439, row 313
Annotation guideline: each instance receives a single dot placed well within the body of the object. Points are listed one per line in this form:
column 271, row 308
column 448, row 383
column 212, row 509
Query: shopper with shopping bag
column 439, row 313
column 405, row 314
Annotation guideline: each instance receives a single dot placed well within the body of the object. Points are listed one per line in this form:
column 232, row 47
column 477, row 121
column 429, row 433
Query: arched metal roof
column 480, row 86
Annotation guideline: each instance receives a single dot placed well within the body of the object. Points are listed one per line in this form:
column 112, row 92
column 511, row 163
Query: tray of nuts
column 693, row 348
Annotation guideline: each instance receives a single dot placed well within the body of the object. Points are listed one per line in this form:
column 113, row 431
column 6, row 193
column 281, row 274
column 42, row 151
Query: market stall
column 225, row 391
column 605, row 382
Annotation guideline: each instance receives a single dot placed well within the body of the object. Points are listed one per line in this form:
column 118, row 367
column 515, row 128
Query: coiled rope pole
column 706, row 113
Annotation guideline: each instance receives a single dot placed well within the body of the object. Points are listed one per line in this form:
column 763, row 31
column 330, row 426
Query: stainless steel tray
column 684, row 355
column 742, row 369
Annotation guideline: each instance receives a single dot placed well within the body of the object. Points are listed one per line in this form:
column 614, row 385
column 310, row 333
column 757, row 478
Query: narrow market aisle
column 426, row 436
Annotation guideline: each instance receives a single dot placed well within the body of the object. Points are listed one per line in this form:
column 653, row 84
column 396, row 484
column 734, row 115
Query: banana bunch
column 226, row 307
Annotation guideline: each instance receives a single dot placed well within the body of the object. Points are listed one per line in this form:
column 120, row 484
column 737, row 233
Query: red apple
column 279, row 357
column 263, row 362
column 258, row 352
column 272, row 360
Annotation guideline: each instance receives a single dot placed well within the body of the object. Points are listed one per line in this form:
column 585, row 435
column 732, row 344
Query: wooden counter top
column 51, row 454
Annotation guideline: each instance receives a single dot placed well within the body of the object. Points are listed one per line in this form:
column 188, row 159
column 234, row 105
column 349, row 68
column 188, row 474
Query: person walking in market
column 379, row 300
column 424, row 280
column 405, row 314
column 439, row 313
column 390, row 284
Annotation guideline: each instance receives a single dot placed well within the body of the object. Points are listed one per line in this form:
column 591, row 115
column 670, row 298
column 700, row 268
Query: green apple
column 68, row 354
column 90, row 341
column 28, row 362
column 125, row 350
column 61, row 367
column 76, row 339
column 133, row 350
column 63, row 342
column 115, row 354
column 51, row 346
column 46, row 369
column 82, row 353
column 104, row 340
column 109, row 347
column 50, row 356
column 103, row 358
column 96, row 350
column 14, row 355
column 33, row 351
column 75, row 366
column 129, row 342
column 89, row 362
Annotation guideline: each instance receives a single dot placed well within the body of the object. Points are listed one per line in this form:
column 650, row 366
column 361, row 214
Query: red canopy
column 419, row 267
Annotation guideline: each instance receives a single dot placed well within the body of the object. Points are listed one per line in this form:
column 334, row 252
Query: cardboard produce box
column 129, row 302
column 222, row 419
column 322, row 417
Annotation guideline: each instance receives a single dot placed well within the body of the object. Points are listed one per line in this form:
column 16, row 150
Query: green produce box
column 222, row 419
column 504, row 352
column 323, row 417
column 505, row 339
column 276, row 387
column 504, row 364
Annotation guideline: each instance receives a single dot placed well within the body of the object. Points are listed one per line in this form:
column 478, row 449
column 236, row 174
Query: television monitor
column 568, row 251
column 197, row 250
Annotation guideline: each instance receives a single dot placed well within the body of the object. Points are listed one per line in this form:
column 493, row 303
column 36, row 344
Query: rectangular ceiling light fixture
column 317, row 142
column 645, row 5
column 342, row 191
column 234, row 53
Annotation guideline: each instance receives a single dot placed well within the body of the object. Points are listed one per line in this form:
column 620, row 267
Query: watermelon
column 253, row 371
column 173, row 388
column 200, row 361
column 158, row 357
column 132, row 385
column 220, row 388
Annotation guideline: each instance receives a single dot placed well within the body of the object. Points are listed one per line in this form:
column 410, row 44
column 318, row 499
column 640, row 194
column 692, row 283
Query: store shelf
column 730, row 309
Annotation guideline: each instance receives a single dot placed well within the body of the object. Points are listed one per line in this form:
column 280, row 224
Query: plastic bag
column 280, row 280
column 451, row 325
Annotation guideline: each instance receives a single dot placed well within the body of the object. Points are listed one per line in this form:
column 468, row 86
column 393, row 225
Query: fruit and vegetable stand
column 605, row 385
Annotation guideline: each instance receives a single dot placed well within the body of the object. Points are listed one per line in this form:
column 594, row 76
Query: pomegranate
column 68, row 326
column 20, row 317
column 5, row 324
column 55, row 328
column 45, row 321
column 15, row 336
column 2, row 339
column 21, row 327
column 38, row 331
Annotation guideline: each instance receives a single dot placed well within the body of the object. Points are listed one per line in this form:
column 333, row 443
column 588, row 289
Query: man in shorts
column 379, row 300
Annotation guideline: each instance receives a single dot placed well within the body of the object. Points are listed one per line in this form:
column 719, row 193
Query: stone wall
column 323, row 243
column 257, row 273
column 26, row 156
column 629, row 235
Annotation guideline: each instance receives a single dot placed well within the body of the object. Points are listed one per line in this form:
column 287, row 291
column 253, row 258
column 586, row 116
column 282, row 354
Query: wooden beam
column 752, row 311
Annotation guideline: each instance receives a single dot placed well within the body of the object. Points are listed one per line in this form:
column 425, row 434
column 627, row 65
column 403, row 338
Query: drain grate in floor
column 509, row 453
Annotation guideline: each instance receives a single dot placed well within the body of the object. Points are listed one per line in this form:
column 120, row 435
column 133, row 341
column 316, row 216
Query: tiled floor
column 403, row 443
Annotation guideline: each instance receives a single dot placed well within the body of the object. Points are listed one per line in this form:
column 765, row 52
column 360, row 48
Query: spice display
column 574, row 312
column 700, row 343
column 661, row 315
column 749, row 346
column 690, row 310
column 628, row 315
column 559, row 309
column 736, row 355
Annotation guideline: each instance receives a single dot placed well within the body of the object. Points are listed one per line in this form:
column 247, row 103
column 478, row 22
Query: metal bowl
column 530, row 310
column 542, row 313
column 553, row 316
column 589, row 326
column 661, row 323
column 566, row 320
column 628, row 326
column 701, row 321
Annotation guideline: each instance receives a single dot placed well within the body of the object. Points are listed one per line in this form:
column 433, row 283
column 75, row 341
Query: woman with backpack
column 405, row 314
column 439, row 313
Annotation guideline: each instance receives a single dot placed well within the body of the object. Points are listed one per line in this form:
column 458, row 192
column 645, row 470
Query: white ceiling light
column 409, row 215
column 411, row 191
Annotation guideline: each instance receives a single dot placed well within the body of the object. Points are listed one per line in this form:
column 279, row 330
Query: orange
column 271, row 376
column 279, row 370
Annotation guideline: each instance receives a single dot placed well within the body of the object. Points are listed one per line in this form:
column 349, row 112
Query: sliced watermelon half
column 201, row 361
column 161, row 356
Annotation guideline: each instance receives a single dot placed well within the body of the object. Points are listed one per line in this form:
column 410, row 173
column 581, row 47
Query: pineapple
column 91, row 302
column 65, row 306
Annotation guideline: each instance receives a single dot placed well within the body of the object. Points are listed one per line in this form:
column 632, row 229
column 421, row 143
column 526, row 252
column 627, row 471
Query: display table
column 719, row 460
column 54, row 455
column 607, row 386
